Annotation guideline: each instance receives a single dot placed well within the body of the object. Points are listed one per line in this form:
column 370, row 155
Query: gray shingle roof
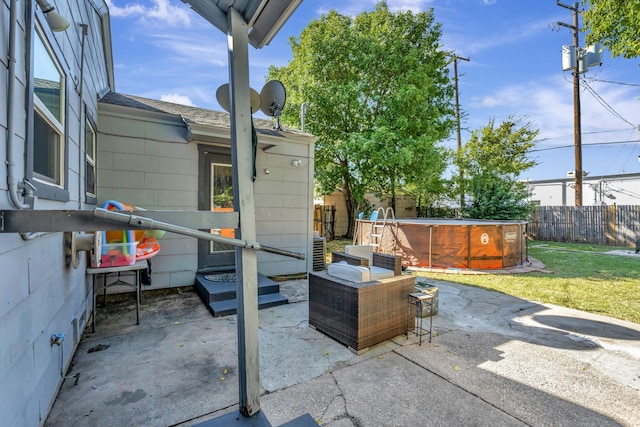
column 196, row 115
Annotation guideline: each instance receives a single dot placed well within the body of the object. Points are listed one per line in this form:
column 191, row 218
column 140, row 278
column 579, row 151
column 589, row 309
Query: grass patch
column 583, row 278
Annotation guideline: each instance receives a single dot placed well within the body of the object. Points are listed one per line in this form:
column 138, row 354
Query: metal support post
column 243, row 201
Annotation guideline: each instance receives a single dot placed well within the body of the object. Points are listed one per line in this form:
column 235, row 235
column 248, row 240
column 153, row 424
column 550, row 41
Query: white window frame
column 89, row 127
column 56, row 125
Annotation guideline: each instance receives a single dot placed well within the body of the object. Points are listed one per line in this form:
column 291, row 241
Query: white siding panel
column 177, row 245
column 16, row 389
column 297, row 188
column 14, row 286
column 178, row 199
column 105, row 161
column 45, row 260
column 269, row 200
column 182, row 278
column 170, row 150
column 39, row 295
column 299, row 150
column 122, row 178
column 269, row 227
column 131, row 162
column 295, row 201
column 177, row 166
column 176, row 263
column 268, row 184
column 164, row 181
column 119, row 144
column 119, row 127
column 134, row 196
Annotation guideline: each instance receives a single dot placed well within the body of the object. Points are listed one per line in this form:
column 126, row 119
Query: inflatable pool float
column 147, row 242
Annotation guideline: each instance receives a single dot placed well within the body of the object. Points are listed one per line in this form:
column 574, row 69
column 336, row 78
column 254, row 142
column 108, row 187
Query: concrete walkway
column 496, row 360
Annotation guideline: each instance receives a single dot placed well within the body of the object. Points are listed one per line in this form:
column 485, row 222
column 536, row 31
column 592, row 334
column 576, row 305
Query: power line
column 595, row 132
column 602, row 102
column 590, row 144
column 616, row 83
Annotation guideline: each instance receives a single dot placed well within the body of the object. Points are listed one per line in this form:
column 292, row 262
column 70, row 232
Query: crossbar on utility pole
column 577, row 125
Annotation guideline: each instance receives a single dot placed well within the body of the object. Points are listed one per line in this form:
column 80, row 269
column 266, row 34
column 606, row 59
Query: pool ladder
column 377, row 229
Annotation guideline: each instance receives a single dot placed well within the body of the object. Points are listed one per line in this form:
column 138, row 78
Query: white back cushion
column 362, row 251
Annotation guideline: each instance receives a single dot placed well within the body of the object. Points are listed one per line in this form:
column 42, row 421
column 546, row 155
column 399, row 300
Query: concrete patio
column 495, row 360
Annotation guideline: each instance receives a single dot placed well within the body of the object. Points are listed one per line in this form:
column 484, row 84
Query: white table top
column 140, row 265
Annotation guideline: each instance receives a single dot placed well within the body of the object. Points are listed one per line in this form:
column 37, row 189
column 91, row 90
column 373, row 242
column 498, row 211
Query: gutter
column 12, row 184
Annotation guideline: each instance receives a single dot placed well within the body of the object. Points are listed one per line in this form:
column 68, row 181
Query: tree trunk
column 393, row 194
column 350, row 204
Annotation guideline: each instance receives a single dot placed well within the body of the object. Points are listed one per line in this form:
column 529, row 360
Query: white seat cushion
column 351, row 273
column 379, row 273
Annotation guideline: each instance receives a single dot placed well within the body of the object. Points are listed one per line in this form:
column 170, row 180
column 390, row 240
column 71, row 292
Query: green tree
column 615, row 23
column 492, row 160
column 379, row 100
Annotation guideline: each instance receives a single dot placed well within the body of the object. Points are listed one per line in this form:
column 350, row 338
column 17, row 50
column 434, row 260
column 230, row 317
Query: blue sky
column 163, row 50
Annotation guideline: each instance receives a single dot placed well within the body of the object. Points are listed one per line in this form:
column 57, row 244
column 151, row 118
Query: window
column 90, row 155
column 48, row 117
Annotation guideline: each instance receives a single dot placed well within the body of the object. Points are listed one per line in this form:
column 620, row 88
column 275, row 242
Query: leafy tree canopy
column 616, row 23
column 378, row 96
column 492, row 161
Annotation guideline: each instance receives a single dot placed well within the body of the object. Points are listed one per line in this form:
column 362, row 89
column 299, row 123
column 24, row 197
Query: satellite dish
column 224, row 98
column 223, row 95
column 256, row 100
column 273, row 97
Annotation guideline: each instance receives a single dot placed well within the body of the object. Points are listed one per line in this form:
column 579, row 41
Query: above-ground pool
column 450, row 243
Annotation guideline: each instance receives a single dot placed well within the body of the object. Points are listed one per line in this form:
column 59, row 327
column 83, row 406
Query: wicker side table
column 359, row 315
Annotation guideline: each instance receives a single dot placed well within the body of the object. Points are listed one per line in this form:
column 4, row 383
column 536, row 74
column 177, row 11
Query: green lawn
column 582, row 277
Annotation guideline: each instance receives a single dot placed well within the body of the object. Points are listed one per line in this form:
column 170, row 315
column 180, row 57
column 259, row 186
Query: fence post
column 613, row 225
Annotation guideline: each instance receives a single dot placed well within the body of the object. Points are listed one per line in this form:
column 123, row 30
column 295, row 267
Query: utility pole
column 459, row 137
column 577, row 132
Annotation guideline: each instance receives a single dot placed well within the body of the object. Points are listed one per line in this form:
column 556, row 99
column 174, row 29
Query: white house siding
column 146, row 159
column 623, row 189
column 39, row 295
column 284, row 206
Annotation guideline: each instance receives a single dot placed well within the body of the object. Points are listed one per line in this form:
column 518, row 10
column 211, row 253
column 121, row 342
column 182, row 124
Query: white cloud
column 356, row 7
column 192, row 49
column 176, row 98
column 414, row 6
column 161, row 10
column 548, row 105
column 468, row 43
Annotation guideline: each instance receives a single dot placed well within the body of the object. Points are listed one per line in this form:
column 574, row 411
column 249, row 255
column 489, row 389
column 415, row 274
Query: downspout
column 12, row 184
column 79, row 91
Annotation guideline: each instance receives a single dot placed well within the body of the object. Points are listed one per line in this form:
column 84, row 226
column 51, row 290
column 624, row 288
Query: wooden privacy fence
column 604, row 225
column 324, row 221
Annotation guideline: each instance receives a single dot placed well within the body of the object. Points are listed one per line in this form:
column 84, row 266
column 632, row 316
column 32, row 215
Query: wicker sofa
column 361, row 314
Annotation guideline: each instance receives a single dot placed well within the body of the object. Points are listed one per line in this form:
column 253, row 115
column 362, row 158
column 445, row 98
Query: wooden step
column 225, row 308
column 220, row 296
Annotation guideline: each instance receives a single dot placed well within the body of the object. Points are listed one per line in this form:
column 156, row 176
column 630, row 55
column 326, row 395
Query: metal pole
column 243, row 202
column 151, row 224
